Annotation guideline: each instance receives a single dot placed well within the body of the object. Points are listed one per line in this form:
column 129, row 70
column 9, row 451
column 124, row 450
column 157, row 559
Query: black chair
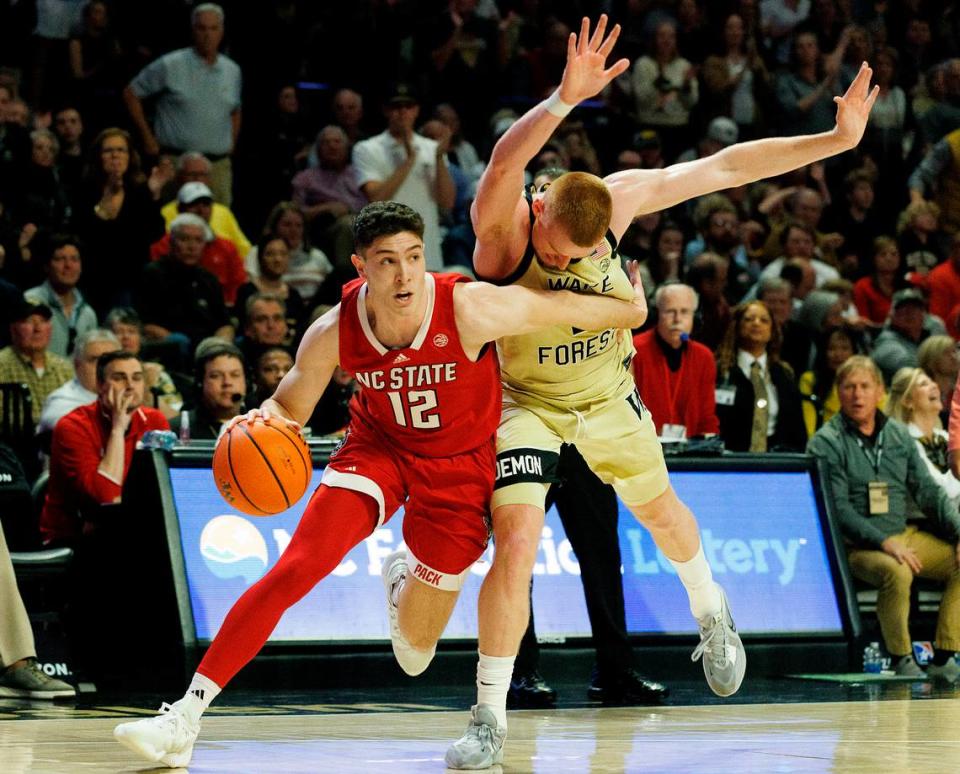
column 17, row 428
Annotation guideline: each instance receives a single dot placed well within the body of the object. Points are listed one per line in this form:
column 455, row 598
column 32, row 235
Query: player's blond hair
column 581, row 204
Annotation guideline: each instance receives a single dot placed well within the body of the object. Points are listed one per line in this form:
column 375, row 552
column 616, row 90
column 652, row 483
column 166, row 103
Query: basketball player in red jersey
column 421, row 435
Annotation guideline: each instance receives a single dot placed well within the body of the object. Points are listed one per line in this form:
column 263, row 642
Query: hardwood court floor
column 888, row 736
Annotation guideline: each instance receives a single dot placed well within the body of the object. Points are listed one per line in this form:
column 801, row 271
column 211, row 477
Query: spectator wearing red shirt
column 92, row 448
column 943, row 282
column 220, row 256
column 873, row 294
column 675, row 375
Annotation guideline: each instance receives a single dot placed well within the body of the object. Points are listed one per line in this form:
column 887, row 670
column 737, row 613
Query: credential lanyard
column 875, row 454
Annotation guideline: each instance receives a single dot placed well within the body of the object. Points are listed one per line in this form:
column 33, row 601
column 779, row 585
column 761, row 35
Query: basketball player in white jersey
column 568, row 385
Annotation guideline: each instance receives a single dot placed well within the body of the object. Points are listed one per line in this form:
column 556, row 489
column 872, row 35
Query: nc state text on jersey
column 409, row 376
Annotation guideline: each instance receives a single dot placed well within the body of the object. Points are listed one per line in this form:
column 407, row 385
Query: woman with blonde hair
column 939, row 359
column 915, row 401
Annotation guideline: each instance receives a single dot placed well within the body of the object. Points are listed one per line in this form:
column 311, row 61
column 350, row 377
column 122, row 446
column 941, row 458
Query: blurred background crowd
column 179, row 180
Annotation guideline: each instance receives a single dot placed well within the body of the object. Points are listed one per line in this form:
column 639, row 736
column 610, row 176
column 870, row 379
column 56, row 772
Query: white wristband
column 557, row 106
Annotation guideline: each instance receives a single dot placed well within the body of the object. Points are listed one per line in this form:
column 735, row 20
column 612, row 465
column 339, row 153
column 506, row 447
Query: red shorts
column 446, row 500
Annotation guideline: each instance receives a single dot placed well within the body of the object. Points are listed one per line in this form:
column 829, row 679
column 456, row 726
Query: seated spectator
column 798, row 240
column 308, row 268
column 939, row 174
column 42, row 198
column 898, row 344
column 920, row 239
column 329, row 195
column 859, row 223
column 20, row 675
column 160, row 390
column 707, row 276
column 940, row 360
column 758, row 403
column 662, row 262
column 820, row 311
column 193, row 167
column 177, row 299
column 804, row 205
column 221, row 384
column 72, row 315
column 265, row 325
column 220, row 256
column 273, row 261
column 676, row 376
column 28, row 359
column 332, row 412
column 269, row 369
column 818, row 386
column 915, row 401
column 873, row 466
column 873, row 293
column 92, row 449
column 718, row 225
column 943, row 283
column 82, row 389
column 721, row 133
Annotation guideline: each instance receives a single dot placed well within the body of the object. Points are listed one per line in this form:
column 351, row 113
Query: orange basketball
column 261, row 468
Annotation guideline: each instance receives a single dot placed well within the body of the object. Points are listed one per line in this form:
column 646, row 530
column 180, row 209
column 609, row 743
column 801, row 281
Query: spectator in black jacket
column 758, row 402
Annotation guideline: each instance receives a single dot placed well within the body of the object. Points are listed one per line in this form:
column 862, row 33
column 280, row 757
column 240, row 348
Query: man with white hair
column 80, row 390
column 675, row 374
column 178, row 300
column 197, row 100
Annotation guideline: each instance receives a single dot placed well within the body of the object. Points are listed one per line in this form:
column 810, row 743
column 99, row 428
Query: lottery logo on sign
column 232, row 547
column 441, row 340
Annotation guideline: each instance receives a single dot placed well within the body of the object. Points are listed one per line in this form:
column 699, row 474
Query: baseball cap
column 908, row 296
column 191, row 192
column 646, row 139
column 723, row 130
column 24, row 308
column 402, row 94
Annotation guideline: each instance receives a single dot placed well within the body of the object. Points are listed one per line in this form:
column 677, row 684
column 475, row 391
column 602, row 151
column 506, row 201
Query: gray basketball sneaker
column 481, row 745
column 724, row 659
column 411, row 660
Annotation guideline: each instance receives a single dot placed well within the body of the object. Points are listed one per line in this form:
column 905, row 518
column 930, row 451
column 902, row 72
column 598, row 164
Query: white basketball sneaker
column 411, row 660
column 166, row 738
column 481, row 745
column 724, row 659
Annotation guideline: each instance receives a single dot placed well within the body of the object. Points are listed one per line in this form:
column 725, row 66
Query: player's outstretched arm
column 639, row 191
column 584, row 76
column 298, row 392
column 487, row 312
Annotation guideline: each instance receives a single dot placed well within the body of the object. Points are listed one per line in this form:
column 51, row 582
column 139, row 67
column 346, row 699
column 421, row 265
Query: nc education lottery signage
column 761, row 535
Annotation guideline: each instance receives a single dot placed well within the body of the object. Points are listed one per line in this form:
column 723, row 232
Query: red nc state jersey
column 428, row 398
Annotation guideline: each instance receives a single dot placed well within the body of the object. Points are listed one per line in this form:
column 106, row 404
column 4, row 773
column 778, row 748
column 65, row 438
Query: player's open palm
column 586, row 73
column 853, row 108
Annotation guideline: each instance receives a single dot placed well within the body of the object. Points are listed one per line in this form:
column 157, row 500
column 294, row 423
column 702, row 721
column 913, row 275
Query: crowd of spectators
column 180, row 180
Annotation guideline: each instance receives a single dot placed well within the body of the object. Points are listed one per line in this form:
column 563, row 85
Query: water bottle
column 872, row 658
column 184, row 427
column 158, row 439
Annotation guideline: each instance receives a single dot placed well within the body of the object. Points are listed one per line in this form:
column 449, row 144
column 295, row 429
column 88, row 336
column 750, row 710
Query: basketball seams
column 236, row 480
column 307, row 467
column 266, row 461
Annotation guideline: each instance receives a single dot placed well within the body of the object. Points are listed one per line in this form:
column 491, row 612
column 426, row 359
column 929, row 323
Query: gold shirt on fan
column 563, row 366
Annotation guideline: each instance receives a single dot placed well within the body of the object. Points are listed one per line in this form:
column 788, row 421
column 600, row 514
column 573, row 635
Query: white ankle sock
column 201, row 692
column 697, row 579
column 493, row 682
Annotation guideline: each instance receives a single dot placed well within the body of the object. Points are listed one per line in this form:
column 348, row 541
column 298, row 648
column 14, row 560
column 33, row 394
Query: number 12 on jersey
column 411, row 409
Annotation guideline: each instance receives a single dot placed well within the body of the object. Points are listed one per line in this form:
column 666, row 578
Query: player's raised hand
column 853, row 108
column 586, row 73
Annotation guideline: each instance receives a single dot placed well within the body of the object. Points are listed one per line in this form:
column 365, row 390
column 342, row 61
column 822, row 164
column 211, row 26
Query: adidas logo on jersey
column 401, row 358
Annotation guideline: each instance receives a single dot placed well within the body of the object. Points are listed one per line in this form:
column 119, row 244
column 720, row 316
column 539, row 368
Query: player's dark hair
column 384, row 219
column 108, row 357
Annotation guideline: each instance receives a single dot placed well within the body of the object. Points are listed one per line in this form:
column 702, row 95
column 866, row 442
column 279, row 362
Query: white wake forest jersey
column 563, row 366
